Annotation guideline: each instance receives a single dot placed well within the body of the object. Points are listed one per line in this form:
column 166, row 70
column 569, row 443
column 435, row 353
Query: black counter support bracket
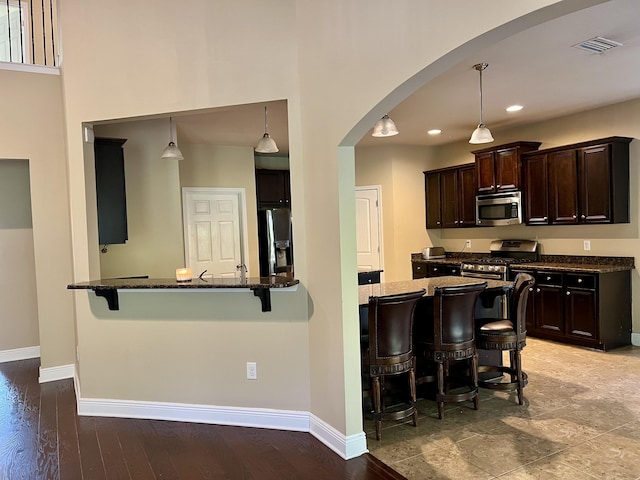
column 265, row 298
column 111, row 296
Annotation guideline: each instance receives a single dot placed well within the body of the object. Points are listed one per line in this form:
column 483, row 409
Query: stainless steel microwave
column 499, row 209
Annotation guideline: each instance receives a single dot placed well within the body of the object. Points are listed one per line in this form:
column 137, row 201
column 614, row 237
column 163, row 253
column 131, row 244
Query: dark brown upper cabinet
column 273, row 188
column 498, row 169
column 582, row 183
column 450, row 197
column 111, row 194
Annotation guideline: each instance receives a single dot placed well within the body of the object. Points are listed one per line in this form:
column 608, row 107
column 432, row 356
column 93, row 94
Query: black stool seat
column 507, row 335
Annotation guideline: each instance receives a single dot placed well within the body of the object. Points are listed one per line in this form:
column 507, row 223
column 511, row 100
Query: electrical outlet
column 467, row 244
column 587, row 244
column 252, row 371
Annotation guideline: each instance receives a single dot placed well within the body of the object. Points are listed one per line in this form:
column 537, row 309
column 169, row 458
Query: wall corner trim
column 19, row 354
column 346, row 446
column 60, row 372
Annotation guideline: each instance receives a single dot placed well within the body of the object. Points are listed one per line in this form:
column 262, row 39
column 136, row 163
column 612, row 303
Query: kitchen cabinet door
column 111, row 195
column 549, row 303
column 536, row 190
column 507, row 166
column 419, row 270
column 581, row 313
column 272, row 188
column 595, row 184
column 563, row 192
column 449, row 198
column 485, row 173
column 467, row 196
column 432, row 199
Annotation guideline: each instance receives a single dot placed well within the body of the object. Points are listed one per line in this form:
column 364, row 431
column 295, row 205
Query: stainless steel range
column 503, row 253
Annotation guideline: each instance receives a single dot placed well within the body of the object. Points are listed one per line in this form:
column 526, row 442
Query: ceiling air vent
column 597, row 45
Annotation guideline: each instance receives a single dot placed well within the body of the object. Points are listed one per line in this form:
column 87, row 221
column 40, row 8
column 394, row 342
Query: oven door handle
column 490, row 276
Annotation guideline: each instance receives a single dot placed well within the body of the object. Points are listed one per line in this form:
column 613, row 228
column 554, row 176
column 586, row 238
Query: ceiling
column 538, row 69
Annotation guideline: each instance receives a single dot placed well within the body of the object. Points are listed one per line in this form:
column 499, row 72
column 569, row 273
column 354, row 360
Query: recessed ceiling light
column 514, row 108
column 435, row 131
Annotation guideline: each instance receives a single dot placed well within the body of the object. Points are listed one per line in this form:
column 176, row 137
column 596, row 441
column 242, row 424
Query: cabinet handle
column 418, row 268
column 548, row 279
column 531, row 289
column 573, row 216
column 492, row 186
column 537, row 290
column 579, row 280
column 438, row 222
column 435, row 269
column 568, row 293
column 545, row 218
column 583, row 216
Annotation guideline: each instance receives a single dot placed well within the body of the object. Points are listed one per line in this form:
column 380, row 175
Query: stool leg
column 377, row 406
column 518, row 367
column 474, row 376
column 440, row 390
column 412, row 389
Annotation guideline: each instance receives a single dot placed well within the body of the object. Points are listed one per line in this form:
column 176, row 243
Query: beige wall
column 33, row 127
column 18, row 299
column 154, row 205
column 225, row 167
column 210, row 53
column 398, row 170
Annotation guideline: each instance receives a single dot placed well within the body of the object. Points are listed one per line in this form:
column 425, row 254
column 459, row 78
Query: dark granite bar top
column 161, row 283
column 261, row 286
column 429, row 284
column 559, row 263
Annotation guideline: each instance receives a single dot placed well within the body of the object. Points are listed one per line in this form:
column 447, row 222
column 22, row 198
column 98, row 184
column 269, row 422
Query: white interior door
column 213, row 226
column 369, row 228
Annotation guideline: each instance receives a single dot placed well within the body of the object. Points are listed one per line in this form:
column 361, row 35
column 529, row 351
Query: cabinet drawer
column 452, row 270
column 548, row 278
column 437, row 270
column 577, row 280
column 419, row 269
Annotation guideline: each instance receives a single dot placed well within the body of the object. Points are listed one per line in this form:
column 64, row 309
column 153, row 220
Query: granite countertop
column 162, row 283
column 558, row 263
column 429, row 284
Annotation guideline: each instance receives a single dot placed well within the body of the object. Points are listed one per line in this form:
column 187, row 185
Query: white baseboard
column 60, row 372
column 635, row 339
column 346, row 447
column 182, row 412
column 19, row 354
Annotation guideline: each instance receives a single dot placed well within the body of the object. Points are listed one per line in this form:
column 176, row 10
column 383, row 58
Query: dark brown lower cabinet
column 431, row 269
column 587, row 309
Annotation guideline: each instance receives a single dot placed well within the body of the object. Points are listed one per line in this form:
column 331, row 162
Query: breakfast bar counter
column 429, row 284
column 261, row 286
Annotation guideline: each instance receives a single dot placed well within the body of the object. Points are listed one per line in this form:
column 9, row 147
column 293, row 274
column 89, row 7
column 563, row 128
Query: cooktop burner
column 498, row 260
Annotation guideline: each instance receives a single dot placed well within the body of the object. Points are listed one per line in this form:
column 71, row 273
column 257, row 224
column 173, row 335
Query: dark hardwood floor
column 42, row 437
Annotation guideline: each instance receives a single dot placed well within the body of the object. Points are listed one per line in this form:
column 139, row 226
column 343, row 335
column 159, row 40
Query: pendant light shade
column 482, row 133
column 385, row 128
column 172, row 151
column 266, row 143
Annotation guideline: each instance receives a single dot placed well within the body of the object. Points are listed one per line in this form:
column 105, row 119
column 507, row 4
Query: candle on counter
column 183, row 274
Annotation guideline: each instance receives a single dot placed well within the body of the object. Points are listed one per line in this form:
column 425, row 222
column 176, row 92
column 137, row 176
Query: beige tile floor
column 580, row 420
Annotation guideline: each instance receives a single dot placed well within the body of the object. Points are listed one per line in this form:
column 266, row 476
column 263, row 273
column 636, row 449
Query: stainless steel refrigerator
column 275, row 245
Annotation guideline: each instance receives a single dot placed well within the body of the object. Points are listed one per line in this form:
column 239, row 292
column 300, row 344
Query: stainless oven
column 499, row 209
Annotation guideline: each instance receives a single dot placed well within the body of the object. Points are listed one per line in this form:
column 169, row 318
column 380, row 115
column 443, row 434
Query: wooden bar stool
column 390, row 352
column 507, row 334
column 448, row 337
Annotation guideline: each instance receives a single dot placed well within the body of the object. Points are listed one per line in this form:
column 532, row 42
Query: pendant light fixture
column 482, row 133
column 266, row 143
column 384, row 128
column 172, row 151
